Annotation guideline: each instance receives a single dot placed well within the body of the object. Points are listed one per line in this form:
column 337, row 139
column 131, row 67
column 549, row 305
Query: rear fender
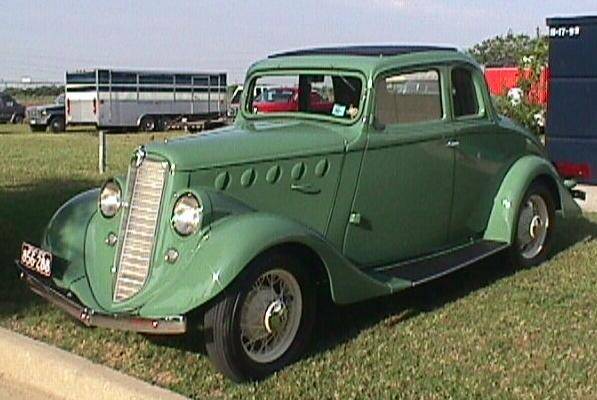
column 229, row 247
column 502, row 221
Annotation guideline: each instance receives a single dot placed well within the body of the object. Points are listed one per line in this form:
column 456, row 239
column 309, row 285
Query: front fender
column 502, row 221
column 64, row 237
column 232, row 243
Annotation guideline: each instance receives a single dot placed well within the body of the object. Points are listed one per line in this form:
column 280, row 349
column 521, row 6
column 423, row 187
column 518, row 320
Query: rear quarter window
column 465, row 97
column 408, row 98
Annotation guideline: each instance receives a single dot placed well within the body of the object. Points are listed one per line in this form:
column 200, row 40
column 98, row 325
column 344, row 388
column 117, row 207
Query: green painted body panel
column 356, row 195
column 513, row 188
column 301, row 188
column 232, row 243
column 250, row 142
column 405, row 179
column 485, row 155
column 64, row 237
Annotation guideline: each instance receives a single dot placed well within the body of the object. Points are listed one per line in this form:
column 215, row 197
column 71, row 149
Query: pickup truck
column 48, row 117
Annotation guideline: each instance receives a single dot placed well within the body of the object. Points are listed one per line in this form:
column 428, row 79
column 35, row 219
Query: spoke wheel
column 536, row 219
column 263, row 321
column 270, row 316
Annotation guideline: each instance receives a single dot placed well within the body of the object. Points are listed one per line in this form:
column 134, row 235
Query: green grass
column 485, row 332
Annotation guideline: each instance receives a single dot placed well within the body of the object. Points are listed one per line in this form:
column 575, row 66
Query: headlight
column 110, row 199
column 187, row 215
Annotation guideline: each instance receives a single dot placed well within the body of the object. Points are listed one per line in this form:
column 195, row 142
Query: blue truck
column 571, row 132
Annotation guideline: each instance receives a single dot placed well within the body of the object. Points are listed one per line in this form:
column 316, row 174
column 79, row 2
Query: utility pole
column 102, row 151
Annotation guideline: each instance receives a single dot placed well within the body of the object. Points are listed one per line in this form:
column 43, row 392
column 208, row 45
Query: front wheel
column 264, row 321
column 535, row 226
column 56, row 124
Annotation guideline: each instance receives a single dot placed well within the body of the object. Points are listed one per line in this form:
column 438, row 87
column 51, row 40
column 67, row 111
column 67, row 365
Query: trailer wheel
column 162, row 124
column 147, row 124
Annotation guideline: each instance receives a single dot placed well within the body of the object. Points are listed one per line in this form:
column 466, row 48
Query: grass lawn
column 488, row 331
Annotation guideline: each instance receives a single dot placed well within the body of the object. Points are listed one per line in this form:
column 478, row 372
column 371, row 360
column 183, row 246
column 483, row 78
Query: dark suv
column 47, row 117
column 10, row 109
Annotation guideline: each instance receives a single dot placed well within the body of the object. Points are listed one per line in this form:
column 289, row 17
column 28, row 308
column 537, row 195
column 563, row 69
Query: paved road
column 590, row 205
column 10, row 391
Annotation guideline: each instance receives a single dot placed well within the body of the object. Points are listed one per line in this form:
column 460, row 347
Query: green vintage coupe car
column 402, row 173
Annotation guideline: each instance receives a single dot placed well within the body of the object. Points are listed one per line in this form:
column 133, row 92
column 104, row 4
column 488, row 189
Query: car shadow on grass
column 339, row 324
column 24, row 214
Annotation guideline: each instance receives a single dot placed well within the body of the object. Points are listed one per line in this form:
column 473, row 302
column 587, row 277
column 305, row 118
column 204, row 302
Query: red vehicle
column 285, row 99
column 503, row 79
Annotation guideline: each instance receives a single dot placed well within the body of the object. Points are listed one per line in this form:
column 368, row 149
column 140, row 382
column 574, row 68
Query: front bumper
column 159, row 326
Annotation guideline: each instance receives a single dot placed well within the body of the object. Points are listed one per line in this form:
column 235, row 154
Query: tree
column 504, row 51
column 531, row 56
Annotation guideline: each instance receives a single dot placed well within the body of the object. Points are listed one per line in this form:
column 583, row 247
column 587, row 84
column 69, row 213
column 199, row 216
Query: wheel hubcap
column 270, row 316
column 533, row 226
column 275, row 316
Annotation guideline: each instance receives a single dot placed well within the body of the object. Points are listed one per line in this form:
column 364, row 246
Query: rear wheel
column 535, row 225
column 56, row 124
column 147, row 124
column 263, row 322
column 162, row 124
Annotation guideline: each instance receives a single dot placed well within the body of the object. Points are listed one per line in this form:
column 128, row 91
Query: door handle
column 453, row 143
column 307, row 188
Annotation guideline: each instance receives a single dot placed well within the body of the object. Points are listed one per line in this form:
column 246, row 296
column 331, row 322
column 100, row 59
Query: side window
column 408, row 98
column 464, row 93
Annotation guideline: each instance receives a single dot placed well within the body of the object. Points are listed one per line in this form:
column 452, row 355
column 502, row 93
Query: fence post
column 102, row 151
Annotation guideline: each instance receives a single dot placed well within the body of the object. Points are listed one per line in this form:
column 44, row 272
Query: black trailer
column 571, row 131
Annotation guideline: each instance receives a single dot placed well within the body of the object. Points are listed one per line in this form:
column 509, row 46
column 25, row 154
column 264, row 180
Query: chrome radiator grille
column 139, row 227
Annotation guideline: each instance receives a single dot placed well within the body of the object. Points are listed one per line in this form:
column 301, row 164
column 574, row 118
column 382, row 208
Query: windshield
column 59, row 99
column 236, row 98
column 337, row 96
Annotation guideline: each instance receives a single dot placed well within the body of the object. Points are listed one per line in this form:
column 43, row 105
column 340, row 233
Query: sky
column 42, row 39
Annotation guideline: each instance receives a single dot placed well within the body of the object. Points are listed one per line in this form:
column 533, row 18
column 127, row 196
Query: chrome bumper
column 88, row 317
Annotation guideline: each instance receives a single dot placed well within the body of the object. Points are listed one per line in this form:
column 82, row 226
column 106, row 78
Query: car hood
column 253, row 142
column 47, row 107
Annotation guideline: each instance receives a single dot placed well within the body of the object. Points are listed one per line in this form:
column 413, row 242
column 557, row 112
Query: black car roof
column 366, row 51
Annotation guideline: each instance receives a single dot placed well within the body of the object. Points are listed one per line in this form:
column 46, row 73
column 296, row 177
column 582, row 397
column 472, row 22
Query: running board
column 425, row 269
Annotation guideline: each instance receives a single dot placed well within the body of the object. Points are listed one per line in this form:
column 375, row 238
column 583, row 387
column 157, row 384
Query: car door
column 402, row 203
column 483, row 153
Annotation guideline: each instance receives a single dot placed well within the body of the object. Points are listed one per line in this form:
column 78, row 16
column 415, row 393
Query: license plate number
column 36, row 259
